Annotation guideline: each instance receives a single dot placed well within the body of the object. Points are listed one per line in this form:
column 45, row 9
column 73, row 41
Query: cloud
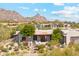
column 24, row 8
column 44, row 10
column 71, row 8
column 36, row 9
column 69, row 13
column 63, row 12
column 40, row 10
column 73, row 13
column 67, row 10
column 58, row 3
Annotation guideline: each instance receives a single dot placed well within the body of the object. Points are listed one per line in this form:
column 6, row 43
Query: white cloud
column 24, row 8
column 67, row 10
column 58, row 3
column 72, row 13
column 69, row 13
column 57, row 12
column 61, row 12
column 36, row 9
column 71, row 8
column 44, row 10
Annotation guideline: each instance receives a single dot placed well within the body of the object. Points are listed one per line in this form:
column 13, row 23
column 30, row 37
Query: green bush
column 56, row 52
column 76, row 46
column 52, row 43
column 68, row 52
column 57, row 35
column 41, row 48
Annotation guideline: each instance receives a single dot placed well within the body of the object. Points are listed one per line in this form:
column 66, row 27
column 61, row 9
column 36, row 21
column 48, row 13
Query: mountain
column 13, row 16
column 8, row 15
column 37, row 18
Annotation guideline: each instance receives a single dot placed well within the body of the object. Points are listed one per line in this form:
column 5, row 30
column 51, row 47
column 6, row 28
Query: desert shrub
column 45, row 52
column 59, row 52
column 56, row 52
column 41, row 48
column 71, row 44
column 53, row 43
column 48, row 44
column 68, row 52
column 76, row 46
column 22, row 46
column 11, row 54
column 4, row 50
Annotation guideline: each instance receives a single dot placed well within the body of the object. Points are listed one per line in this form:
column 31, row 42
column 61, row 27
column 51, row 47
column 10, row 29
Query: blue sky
column 60, row 11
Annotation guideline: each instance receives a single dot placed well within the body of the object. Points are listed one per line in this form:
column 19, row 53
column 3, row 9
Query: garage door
column 74, row 39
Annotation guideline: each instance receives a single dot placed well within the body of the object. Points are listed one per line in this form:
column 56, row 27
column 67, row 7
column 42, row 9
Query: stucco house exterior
column 70, row 35
column 52, row 26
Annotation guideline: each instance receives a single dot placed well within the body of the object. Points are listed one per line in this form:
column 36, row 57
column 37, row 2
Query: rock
column 10, row 51
column 8, row 46
column 4, row 46
column 16, row 44
column 2, row 53
column 16, row 49
column 20, row 50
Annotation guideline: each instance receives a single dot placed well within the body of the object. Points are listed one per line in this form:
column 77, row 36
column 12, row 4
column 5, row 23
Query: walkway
column 31, row 50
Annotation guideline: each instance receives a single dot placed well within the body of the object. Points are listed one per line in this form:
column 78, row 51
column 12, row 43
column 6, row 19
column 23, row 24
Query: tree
column 20, row 27
column 57, row 35
column 28, row 30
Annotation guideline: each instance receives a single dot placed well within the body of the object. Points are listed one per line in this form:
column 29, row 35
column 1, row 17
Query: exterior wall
column 72, row 39
column 17, row 38
column 67, row 39
column 75, row 39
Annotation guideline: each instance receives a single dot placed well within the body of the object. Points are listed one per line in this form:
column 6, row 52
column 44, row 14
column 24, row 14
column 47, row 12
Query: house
column 66, row 26
column 42, row 35
column 70, row 35
column 52, row 26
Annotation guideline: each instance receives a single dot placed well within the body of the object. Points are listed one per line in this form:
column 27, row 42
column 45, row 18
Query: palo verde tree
column 57, row 35
column 20, row 27
column 28, row 30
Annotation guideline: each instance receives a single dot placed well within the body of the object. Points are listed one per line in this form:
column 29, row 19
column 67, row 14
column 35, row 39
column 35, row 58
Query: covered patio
column 42, row 35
